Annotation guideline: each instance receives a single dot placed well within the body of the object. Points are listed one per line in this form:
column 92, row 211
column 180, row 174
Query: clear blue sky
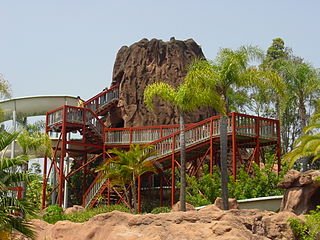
column 69, row 46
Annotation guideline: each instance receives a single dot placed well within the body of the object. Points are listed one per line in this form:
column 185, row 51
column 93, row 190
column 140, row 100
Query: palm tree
column 308, row 145
column 34, row 143
column 10, row 206
column 185, row 99
column 228, row 76
column 126, row 166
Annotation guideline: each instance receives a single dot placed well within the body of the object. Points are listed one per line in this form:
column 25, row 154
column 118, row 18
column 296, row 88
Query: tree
column 10, row 206
column 308, row 145
column 126, row 166
column 35, row 143
column 227, row 76
column 185, row 99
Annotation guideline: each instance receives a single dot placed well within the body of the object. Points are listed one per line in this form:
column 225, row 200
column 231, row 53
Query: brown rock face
column 146, row 62
column 192, row 225
column 302, row 191
column 233, row 204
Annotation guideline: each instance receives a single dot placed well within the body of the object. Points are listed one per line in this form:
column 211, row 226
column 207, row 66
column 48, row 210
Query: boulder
column 233, row 204
column 193, row 225
column 146, row 62
column 73, row 209
column 176, row 207
column 302, row 191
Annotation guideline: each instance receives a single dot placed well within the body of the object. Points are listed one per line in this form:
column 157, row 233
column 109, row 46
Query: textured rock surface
column 302, row 191
column 73, row 209
column 193, row 225
column 233, row 204
column 176, row 207
column 146, row 62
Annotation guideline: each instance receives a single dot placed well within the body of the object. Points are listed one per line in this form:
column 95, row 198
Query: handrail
column 102, row 99
column 75, row 115
column 245, row 125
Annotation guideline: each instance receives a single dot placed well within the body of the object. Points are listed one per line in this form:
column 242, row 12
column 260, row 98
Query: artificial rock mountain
column 144, row 63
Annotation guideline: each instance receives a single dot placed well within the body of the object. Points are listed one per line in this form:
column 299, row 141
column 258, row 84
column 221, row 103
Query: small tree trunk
column 24, row 168
column 303, row 123
column 134, row 194
column 183, row 164
column 224, row 161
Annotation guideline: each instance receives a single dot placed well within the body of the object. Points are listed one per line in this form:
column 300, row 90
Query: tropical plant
column 185, row 99
column 308, row 229
column 37, row 144
column 12, row 209
column 227, row 77
column 308, row 145
column 127, row 165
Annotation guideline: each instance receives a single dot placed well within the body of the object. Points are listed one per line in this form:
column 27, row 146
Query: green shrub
column 206, row 188
column 54, row 213
column 160, row 210
column 85, row 215
column 308, row 230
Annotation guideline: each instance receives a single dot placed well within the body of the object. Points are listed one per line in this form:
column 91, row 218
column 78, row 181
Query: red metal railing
column 102, row 99
column 245, row 125
column 75, row 115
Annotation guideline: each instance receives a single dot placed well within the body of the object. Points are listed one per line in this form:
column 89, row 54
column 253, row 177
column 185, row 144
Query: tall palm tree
column 10, row 206
column 126, row 166
column 185, row 99
column 228, row 76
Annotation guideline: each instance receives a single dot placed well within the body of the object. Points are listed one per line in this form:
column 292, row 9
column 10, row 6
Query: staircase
column 166, row 140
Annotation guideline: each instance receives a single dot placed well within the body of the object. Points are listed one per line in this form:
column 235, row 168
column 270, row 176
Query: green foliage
column 55, row 213
column 10, row 206
column 91, row 212
column 160, row 210
column 126, row 166
column 205, row 189
column 308, row 230
column 307, row 145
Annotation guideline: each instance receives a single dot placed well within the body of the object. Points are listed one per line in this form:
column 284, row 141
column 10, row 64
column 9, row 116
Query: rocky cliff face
column 146, row 62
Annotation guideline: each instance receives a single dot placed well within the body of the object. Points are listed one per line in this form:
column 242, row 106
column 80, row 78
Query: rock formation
column 146, row 62
column 211, row 223
column 302, row 191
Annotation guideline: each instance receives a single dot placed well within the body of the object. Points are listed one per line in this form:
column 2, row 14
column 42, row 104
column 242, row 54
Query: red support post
column 234, row 146
column 257, row 131
column 84, row 180
column 172, row 172
column 62, row 156
column 211, row 147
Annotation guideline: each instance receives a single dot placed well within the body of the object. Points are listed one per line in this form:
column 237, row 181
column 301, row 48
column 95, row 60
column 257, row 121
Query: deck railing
column 246, row 125
column 75, row 115
column 102, row 99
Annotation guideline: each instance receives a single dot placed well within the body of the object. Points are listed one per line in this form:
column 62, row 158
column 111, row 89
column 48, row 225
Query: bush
column 205, row 189
column 308, row 230
column 54, row 213
column 84, row 216
column 160, row 210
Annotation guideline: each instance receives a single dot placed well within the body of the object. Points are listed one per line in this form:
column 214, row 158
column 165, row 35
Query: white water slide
column 30, row 107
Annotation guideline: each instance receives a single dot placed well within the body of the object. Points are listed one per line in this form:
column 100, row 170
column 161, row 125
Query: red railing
column 75, row 115
column 102, row 99
column 245, row 125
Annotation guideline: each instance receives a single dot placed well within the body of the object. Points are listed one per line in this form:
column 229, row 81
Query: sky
column 69, row 47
